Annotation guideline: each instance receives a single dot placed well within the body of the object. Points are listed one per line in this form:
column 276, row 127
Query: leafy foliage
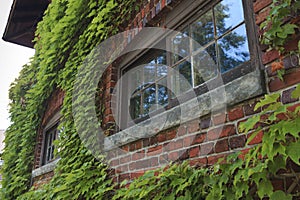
column 277, row 30
column 61, row 48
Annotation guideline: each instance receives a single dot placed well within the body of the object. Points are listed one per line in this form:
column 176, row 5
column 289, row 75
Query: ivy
column 280, row 24
column 69, row 31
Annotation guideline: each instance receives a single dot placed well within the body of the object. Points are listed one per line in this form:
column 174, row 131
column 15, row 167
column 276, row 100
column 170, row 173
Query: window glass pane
column 149, row 73
column 182, row 81
column 202, row 31
column 162, row 70
column 228, row 13
column 136, row 78
column 161, row 59
column 205, row 65
column 149, row 99
column 233, row 49
column 135, row 106
column 180, row 45
column 162, row 92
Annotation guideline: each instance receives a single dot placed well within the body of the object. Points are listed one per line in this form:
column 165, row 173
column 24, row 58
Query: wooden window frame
column 51, row 132
column 178, row 23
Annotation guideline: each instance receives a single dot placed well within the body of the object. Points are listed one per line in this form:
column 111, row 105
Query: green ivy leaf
column 269, row 99
column 296, row 92
column 264, row 188
column 280, row 195
column 293, row 152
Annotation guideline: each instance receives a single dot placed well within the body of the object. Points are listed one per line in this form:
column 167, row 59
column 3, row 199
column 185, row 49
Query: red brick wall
column 52, row 107
column 42, row 180
column 199, row 141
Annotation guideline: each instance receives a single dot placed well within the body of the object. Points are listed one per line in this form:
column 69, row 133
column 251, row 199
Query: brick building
column 223, row 68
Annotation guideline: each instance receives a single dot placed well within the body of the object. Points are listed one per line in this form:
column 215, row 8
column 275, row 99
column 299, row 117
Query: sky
column 12, row 58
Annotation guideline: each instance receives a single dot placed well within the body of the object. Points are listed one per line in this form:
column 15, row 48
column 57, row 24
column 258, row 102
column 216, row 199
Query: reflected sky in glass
column 205, row 65
column 228, row 13
column 233, row 49
column 202, row 31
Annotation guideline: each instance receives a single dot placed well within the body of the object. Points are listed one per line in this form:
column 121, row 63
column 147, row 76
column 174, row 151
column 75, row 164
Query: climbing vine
column 68, row 32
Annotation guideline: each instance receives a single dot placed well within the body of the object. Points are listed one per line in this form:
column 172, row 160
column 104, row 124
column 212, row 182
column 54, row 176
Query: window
column 214, row 42
column 51, row 134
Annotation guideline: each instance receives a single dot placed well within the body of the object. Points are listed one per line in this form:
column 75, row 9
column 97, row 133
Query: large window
column 213, row 43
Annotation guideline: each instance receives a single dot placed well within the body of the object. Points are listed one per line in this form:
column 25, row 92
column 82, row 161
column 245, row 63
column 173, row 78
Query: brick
column 198, row 162
column 221, row 146
column 171, row 134
column 125, row 148
column 257, row 139
column 205, row 123
column 141, row 164
column 161, row 137
column 138, row 145
column 163, row 159
column 214, row 159
column 153, row 162
column 194, row 152
column 219, row 119
column 125, row 159
column 199, row 138
column 243, row 153
column 293, row 107
column 181, row 130
column 262, row 16
column 115, row 162
column 183, row 155
column 193, row 126
column 287, row 96
column 154, row 150
column 135, row 175
column 123, row 177
column 237, row 142
column 261, row 4
column 146, row 142
column 206, row 149
column 270, row 56
column 221, row 132
column 174, row 145
column 173, row 156
column 187, row 141
column 132, row 147
column 153, row 140
column 123, row 168
column 138, row 155
column 236, row 113
column 289, row 80
column 249, row 109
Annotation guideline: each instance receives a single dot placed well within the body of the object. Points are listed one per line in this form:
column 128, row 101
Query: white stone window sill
column 45, row 168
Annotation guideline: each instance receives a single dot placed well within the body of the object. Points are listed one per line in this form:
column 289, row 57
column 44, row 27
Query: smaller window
column 51, row 134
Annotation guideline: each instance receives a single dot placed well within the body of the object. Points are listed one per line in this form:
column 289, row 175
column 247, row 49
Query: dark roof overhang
column 23, row 18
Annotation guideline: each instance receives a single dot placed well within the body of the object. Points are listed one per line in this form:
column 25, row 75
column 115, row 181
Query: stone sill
column 243, row 88
column 45, row 169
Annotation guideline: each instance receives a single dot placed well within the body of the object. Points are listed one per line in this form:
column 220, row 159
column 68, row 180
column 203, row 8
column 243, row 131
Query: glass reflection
column 202, row 31
column 228, row 13
column 233, row 49
column 162, row 92
column 182, row 81
column 180, row 45
column 149, row 73
column 205, row 65
column 135, row 106
column 149, row 99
